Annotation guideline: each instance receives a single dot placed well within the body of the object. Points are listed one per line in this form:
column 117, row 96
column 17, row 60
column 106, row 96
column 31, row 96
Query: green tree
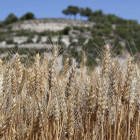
column 121, row 21
column 27, row 16
column 96, row 16
column 65, row 12
column 82, row 12
column 97, row 13
column 71, row 10
column 11, row 18
column 75, row 11
column 88, row 12
column 111, row 18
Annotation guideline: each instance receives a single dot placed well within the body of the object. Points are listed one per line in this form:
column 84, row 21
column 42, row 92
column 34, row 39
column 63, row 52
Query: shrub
column 10, row 41
column 2, row 24
column 29, row 40
column 27, row 16
column 11, row 18
column 66, row 30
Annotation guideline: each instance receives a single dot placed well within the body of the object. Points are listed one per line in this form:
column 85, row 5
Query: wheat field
column 38, row 103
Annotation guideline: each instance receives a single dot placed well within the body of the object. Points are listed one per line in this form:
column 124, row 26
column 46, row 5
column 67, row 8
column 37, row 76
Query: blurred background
column 34, row 26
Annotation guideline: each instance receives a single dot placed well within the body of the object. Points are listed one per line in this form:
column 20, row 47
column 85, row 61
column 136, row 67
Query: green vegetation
column 9, row 41
column 97, row 16
column 29, row 40
column 11, row 18
column 71, row 10
column 66, row 31
column 27, row 16
column 1, row 24
column 110, row 26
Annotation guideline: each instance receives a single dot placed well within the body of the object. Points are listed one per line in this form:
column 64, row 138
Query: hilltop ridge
column 51, row 24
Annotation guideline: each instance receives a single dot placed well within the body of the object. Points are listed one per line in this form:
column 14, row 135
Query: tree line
column 96, row 16
column 11, row 18
column 74, row 10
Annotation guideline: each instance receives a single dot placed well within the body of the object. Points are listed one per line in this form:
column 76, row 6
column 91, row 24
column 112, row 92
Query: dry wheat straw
column 49, row 105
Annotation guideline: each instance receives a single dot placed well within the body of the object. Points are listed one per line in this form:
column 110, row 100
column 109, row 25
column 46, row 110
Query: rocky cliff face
column 40, row 25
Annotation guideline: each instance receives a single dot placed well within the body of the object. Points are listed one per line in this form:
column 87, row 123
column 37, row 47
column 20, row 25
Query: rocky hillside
column 33, row 33
column 38, row 35
column 40, row 25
